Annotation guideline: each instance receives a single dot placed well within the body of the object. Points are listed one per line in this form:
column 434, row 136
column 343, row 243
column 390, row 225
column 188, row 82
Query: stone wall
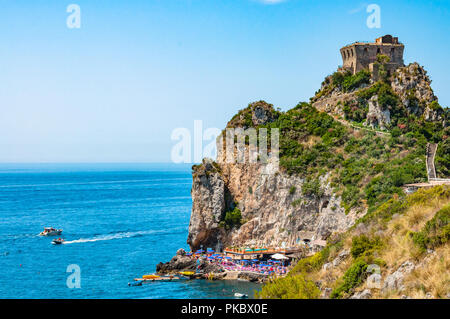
column 359, row 56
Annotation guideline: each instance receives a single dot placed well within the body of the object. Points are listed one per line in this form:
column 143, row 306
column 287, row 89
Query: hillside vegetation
column 405, row 241
column 337, row 135
column 366, row 169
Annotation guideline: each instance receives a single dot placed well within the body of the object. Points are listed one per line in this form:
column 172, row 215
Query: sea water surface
column 118, row 220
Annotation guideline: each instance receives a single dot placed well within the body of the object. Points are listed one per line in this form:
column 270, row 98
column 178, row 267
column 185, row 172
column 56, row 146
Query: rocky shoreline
column 203, row 269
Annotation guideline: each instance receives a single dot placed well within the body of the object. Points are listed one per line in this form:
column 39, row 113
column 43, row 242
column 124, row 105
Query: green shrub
column 291, row 287
column 292, row 190
column 233, row 218
column 347, row 81
column 310, row 263
column 356, row 112
column 364, row 246
column 354, row 81
column 353, row 277
column 351, row 196
column 312, row 188
column 442, row 159
column 297, row 202
column 436, row 231
column 435, row 106
column 315, row 262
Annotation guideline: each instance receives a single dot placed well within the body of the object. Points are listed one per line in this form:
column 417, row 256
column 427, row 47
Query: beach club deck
column 257, row 253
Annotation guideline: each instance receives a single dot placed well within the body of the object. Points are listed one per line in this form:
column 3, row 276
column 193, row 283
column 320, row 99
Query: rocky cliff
column 407, row 90
column 329, row 174
column 270, row 207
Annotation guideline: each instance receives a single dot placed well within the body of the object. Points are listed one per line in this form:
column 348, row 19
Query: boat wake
column 119, row 235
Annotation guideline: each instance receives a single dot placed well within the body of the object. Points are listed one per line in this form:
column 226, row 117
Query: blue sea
column 118, row 220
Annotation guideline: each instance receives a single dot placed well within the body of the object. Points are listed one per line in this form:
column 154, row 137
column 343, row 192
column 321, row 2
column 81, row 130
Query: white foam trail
column 116, row 236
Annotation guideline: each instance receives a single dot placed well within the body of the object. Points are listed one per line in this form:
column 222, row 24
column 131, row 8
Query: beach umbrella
column 279, row 256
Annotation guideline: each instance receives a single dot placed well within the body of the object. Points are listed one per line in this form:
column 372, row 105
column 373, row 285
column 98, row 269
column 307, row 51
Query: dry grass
column 399, row 245
column 431, row 276
column 432, row 273
column 330, row 277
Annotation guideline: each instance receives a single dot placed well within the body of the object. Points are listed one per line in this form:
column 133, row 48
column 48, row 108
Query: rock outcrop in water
column 180, row 262
column 208, row 205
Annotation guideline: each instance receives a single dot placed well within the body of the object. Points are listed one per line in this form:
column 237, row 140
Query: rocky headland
column 342, row 158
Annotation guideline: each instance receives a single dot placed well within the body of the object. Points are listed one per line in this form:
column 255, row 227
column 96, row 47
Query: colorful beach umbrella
column 279, row 256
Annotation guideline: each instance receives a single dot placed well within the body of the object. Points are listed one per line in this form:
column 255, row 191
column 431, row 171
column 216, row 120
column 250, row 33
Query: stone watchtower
column 362, row 55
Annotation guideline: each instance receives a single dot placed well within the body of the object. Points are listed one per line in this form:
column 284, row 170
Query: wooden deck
column 268, row 251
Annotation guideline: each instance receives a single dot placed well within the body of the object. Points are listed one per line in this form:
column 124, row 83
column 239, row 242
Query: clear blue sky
column 113, row 90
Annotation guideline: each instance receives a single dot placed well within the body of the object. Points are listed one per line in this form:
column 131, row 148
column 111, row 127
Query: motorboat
column 57, row 241
column 50, row 231
column 240, row 296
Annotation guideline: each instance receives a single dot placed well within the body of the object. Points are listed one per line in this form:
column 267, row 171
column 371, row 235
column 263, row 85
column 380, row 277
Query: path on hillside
column 431, row 153
column 345, row 123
